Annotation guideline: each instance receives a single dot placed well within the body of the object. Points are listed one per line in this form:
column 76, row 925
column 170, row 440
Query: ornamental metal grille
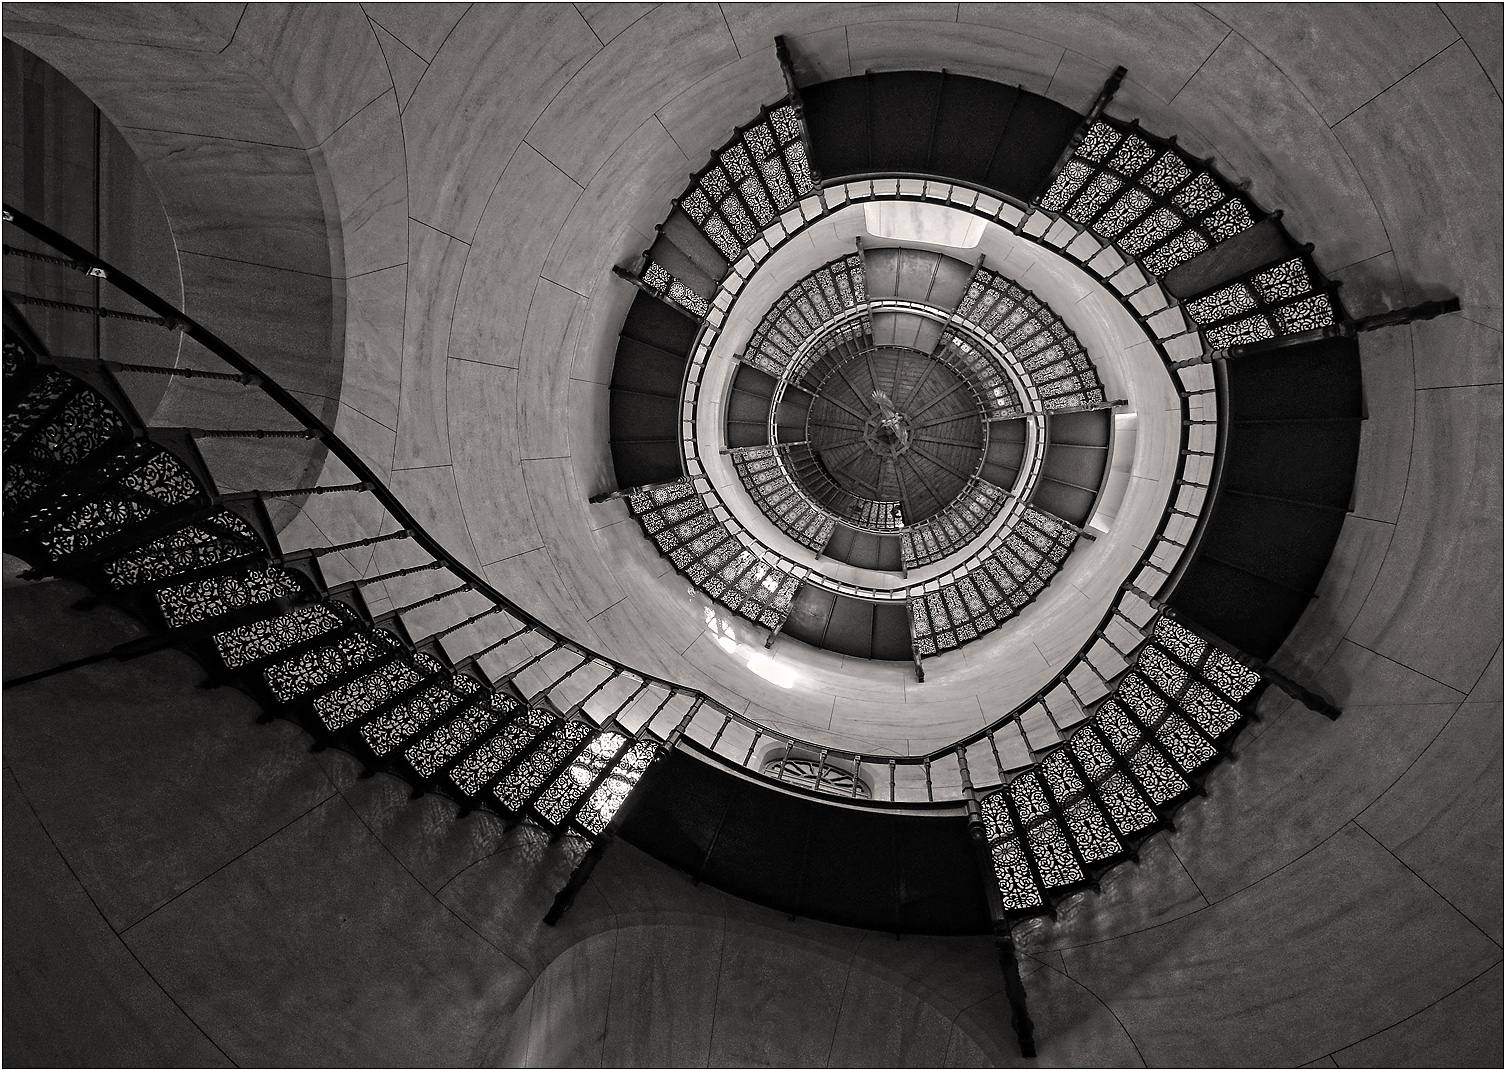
column 610, row 794
column 520, row 784
column 319, row 658
column 769, row 484
column 998, row 396
column 659, row 280
column 1012, row 571
column 800, row 312
column 262, row 639
column 203, row 600
column 221, row 537
column 1280, row 299
column 703, row 550
column 1026, row 326
column 1082, row 806
column 432, row 750
column 1148, row 197
column 760, row 173
column 954, row 527
column 868, row 514
column 86, row 423
column 565, row 791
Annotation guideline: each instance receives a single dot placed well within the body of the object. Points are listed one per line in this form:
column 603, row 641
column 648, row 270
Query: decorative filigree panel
column 760, row 173
column 1015, row 568
column 1134, row 758
column 658, row 279
column 1281, row 299
column 954, row 527
column 702, row 549
column 201, row 600
column 769, row 485
column 1026, row 326
column 802, row 310
column 1157, row 203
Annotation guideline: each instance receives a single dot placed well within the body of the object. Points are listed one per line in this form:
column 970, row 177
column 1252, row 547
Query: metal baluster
column 717, row 739
column 489, row 648
column 529, row 664
column 788, row 748
column 243, row 378
column 319, row 552
column 432, row 599
column 1075, row 697
column 91, row 310
column 749, row 756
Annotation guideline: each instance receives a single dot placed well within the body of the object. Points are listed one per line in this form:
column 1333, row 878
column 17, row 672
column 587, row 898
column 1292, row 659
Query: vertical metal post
column 1105, row 95
column 1014, row 985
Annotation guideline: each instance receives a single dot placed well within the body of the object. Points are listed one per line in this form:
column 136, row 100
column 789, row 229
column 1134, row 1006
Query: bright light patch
column 909, row 221
column 1126, row 431
column 721, row 631
column 771, row 670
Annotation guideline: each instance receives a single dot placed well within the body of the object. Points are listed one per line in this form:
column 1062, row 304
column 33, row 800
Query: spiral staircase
column 496, row 709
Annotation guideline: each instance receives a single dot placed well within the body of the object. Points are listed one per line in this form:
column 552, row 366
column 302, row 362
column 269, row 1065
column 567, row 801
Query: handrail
column 213, row 343
column 772, row 239
column 174, row 318
column 708, row 331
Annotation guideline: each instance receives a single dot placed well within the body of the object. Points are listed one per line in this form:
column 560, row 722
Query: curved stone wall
column 1338, row 894
column 244, row 149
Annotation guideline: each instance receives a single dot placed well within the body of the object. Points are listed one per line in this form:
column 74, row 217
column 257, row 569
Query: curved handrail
column 741, row 271
column 174, row 318
column 707, row 333
column 180, row 320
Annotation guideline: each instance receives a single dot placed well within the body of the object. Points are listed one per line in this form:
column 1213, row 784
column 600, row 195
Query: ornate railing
column 544, row 668
column 1018, row 737
column 1066, row 699
column 559, row 734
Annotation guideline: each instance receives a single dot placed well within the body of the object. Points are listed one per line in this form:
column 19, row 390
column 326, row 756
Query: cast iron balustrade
column 1076, row 687
column 803, row 310
column 759, row 469
column 659, row 282
column 1018, row 567
column 1146, row 195
column 1075, row 692
column 819, row 334
column 702, row 548
column 1213, row 208
column 1087, row 804
column 760, row 173
column 1058, row 367
column 1097, row 759
column 952, row 529
column 807, row 475
column 1286, row 298
column 133, row 512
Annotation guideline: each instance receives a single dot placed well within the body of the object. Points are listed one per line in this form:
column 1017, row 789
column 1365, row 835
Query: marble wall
column 433, row 197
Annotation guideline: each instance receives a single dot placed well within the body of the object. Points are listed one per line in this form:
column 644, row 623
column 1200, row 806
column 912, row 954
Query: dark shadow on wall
column 255, row 249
